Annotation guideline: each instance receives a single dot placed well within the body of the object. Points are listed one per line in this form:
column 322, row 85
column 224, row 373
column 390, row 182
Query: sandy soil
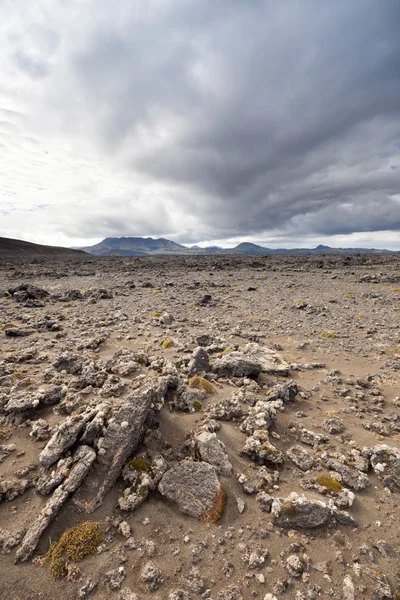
column 342, row 312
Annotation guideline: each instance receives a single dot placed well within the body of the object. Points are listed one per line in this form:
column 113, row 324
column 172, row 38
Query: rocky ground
column 223, row 427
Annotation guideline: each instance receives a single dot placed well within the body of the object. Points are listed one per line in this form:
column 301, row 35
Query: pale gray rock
column 12, row 487
column 199, row 362
column 237, row 364
column 114, row 579
column 260, row 450
column 84, row 458
column 6, row 450
column 354, row 479
column 193, row 486
column 9, row 539
column 64, row 437
column 151, row 576
column 47, row 481
column 69, row 362
column 300, row 457
column 385, row 461
column 212, row 451
column 270, row 361
column 121, row 439
column 299, row 511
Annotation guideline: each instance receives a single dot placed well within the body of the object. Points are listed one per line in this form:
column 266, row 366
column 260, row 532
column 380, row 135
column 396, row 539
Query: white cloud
column 268, row 122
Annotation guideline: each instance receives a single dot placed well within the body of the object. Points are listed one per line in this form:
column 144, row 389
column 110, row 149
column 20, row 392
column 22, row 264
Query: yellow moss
column 329, row 335
column 288, row 509
column 362, row 316
column 19, row 375
column 197, row 405
column 156, row 315
column 142, row 491
column 199, row 383
column 338, row 538
column 213, row 515
column 74, row 544
column 226, row 351
column 139, row 464
column 5, row 432
column 168, row 343
column 8, row 326
column 330, row 483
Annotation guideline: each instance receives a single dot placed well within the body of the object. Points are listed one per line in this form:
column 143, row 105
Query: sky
column 202, row 121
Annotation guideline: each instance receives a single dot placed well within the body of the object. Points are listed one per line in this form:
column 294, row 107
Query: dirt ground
column 334, row 319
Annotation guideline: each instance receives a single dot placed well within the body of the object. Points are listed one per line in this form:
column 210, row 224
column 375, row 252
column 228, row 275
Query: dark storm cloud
column 257, row 99
column 237, row 117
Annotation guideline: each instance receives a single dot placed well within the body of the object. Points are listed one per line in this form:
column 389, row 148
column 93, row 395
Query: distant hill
column 138, row 246
column 10, row 248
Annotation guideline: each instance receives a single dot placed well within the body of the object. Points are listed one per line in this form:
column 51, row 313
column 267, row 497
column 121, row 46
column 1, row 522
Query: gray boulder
column 237, row 364
column 298, row 511
column 199, row 362
column 193, row 486
column 212, row 451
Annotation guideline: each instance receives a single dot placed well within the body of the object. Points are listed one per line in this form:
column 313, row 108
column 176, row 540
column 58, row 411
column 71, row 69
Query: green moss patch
column 74, row 544
column 199, row 383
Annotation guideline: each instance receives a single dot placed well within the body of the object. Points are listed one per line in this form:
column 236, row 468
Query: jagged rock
column 312, row 439
column 295, row 565
column 142, row 480
column 71, row 363
column 179, row 595
column 83, row 458
column 151, row 576
column 187, row 399
column 226, row 410
column 193, row 486
column 9, row 539
column 333, row 425
column 114, row 579
column 351, row 477
column 212, row 451
column 270, row 361
column 385, row 461
column 48, row 481
column 199, row 362
column 127, row 594
column 12, row 487
column 22, row 403
column 261, row 416
column 64, row 437
column 286, row 392
column 349, row 592
column 26, row 290
column 300, row 457
column 237, row 364
column 298, row 511
column 54, row 395
column 41, row 430
column 265, row 501
column 343, row 497
column 121, row 439
column 259, row 448
column 86, row 589
column 6, row 450
column 193, row 581
column 14, row 332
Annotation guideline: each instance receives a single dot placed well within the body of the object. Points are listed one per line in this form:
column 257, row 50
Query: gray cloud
column 219, row 119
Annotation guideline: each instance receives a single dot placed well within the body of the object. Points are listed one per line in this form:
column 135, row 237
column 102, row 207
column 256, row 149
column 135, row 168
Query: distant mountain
column 10, row 248
column 138, row 246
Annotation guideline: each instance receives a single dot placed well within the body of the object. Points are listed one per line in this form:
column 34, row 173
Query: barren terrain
column 283, row 482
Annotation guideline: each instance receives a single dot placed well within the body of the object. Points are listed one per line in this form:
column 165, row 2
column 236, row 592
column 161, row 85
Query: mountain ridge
column 139, row 246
